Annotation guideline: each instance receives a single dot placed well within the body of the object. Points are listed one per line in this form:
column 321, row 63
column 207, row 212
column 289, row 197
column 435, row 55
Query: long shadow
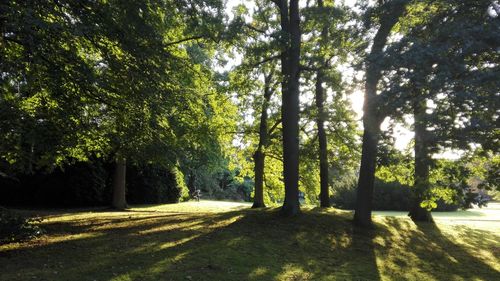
column 245, row 245
column 362, row 243
column 221, row 247
column 463, row 264
column 435, row 255
column 106, row 254
column 283, row 249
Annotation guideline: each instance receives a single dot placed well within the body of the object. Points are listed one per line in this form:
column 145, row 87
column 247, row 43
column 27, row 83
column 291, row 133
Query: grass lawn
column 227, row 241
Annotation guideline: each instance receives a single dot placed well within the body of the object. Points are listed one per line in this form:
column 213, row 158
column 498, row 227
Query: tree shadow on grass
column 435, row 256
column 246, row 245
column 265, row 246
column 241, row 245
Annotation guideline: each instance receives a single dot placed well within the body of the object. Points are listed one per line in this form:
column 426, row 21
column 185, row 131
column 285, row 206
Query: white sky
column 402, row 135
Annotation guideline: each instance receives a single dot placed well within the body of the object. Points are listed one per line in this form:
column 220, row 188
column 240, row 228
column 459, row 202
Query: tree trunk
column 290, row 24
column 324, row 196
column 191, row 182
column 258, row 197
column 371, row 135
column 119, row 200
column 372, row 117
column 363, row 211
column 421, row 177
column 259, row 155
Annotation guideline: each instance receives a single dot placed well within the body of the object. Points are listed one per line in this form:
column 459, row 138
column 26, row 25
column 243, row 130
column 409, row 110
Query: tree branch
column 274, row 127
column 184, row 40
column 254, row 28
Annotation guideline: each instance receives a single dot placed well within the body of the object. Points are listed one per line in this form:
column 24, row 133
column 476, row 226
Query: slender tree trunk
column 119, row 200
column 324, row 196
column 259, row 155
column 290, row 24
column 421, row 177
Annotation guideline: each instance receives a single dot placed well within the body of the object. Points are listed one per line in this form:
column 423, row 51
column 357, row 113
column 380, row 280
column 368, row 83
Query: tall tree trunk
column 290, row 61
column 421, row 177
column 119, row 200
column 324, row 196
column 372, row 117
column 363, row 211
column 259, row 155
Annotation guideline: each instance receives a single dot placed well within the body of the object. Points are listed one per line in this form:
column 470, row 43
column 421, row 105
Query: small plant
column 15, row 228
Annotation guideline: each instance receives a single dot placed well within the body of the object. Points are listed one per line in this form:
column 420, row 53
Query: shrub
column 231, row 187
column 81, row 184
column 344, row 197
column 179, row 191
column 386, row 196
column 153, row 184
column 14, row 228
column 391, row 196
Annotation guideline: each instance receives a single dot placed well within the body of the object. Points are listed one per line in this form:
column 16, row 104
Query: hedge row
column 89, row 184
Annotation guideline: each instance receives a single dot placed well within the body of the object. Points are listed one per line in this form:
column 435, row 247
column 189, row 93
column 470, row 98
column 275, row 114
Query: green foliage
column 155, row 184
column 182, row 191
column 228, row 185
column 392, row 196
column 86, row 91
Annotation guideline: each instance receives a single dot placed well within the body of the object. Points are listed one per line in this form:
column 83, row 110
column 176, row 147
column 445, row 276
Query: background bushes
column 89, row 184
column 154, row 184
column 387, row 196
column 79, row 184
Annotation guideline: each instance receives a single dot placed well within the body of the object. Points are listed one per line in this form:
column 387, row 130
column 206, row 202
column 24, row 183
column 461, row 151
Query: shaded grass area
column 182, row 242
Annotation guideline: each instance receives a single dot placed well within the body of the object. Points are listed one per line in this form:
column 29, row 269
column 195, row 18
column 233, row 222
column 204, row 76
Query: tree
column 390, row 12
column 290, row 71
column 446, row 50
column 125, row 98
column 320, row 120
column 422, row 159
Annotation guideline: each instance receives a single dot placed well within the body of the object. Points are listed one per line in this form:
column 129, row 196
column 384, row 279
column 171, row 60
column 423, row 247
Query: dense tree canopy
column 253, row 103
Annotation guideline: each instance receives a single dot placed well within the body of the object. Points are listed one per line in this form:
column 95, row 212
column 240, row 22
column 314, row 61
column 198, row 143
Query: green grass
column 227, row 241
